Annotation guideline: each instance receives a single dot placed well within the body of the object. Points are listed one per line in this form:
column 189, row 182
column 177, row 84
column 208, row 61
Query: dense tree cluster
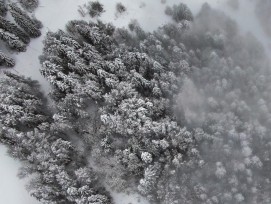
column 60, row 173
column 15, row 38
column 180, row 115
column 131, row 80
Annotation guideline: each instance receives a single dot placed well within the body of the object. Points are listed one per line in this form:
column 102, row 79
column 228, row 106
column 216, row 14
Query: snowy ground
column 12, row 190
column 55, row 13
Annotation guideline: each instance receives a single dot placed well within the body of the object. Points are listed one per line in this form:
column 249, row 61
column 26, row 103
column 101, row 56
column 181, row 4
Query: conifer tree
column 29, row 5
column 12, row 41
column 6, row 61
column 61, row 174
column 22, row 107
column 24, row 21
column 95, row 8
column 13, row 28
column 133, row 93
column 3, row 8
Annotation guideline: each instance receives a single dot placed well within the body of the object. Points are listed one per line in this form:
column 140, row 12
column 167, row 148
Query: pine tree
column 29, row 5
column 13, row 28
column 21, row 102
column 61, row 174
column 6, row 61
column 24, row 21
column 95, row 9
column 133, row 93
column 12, row 41
column 3, row 8
column 17, row 9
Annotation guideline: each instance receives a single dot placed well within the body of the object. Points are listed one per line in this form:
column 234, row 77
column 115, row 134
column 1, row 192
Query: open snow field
column 54, row 14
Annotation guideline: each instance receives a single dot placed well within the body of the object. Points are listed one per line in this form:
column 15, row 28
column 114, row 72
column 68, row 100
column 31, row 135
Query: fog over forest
column 151, row 102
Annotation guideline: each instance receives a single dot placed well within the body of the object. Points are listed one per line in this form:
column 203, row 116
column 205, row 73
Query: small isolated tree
column 3, row 8
column 29, row 5
column 95, row 9
column 6, row 61
column 179, row 12
column 120, row 8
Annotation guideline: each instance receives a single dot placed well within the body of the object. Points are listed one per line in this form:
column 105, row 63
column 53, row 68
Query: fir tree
column 95, row 9
column 29, row 5
column 6, row 61
column 12, row 41
column 24, row 21
column 3, row 8
column 23, row 106
column 61, row 174
column 133, row 93
column 13, row 28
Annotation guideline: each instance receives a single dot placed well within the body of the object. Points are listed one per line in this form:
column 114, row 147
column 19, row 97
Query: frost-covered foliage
column 137, row 138
column 21, row 103
column 12, row 41
column 180, row 115
column 29, row 5
column 6, row 60
column 95, row 9
column 10, row 33
column 132, row 78
column 29, row 25
column 60, row 173
column 10, row 27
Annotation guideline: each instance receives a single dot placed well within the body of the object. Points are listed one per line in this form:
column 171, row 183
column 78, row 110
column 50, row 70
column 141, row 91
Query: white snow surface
column 54, row 14
column 121, row 198
column 12, row 189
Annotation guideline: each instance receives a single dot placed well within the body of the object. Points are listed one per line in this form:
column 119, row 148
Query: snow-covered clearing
column 54, row 14
column 12, row 189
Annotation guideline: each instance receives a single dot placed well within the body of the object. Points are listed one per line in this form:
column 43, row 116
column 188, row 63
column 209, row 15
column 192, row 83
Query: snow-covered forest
column 151, row 102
